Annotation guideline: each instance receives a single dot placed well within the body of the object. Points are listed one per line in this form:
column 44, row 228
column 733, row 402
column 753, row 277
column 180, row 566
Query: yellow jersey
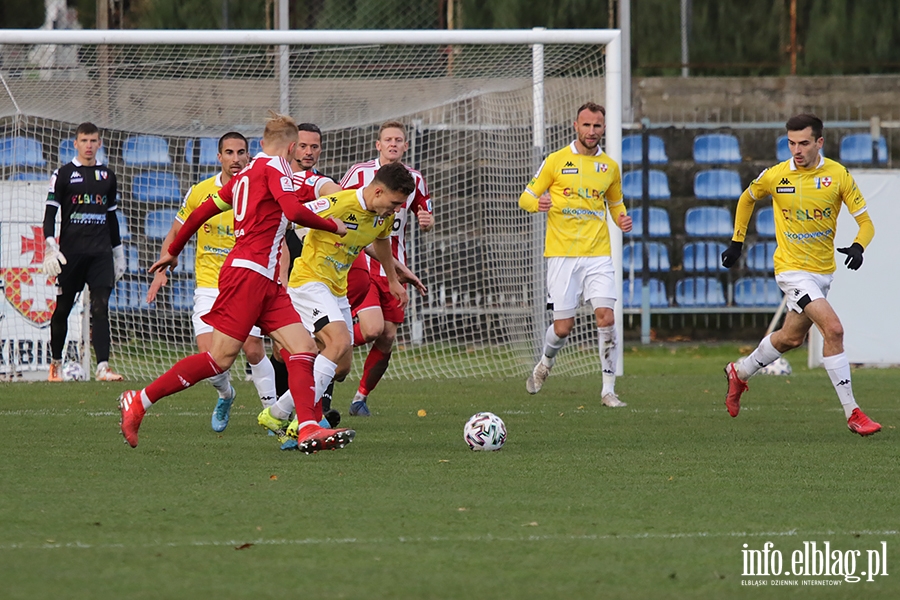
column 806, row 203
column 582, row 188
column 327, row 257
column 215, row 239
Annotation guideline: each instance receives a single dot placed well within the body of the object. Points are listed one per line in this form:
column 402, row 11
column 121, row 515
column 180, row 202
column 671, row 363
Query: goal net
column 480, row 117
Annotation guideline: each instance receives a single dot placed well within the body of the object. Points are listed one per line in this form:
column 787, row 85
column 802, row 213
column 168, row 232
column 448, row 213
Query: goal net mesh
column 469, row 114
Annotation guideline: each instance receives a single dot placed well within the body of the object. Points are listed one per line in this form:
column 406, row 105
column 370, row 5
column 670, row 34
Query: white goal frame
column 537, row 38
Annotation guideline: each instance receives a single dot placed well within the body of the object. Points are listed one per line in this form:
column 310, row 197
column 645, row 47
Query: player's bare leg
column 554, row 340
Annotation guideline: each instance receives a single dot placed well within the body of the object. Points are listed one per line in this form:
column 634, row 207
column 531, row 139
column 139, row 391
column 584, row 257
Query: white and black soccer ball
column 779, row 367
column 73, row 371
column 485, row 431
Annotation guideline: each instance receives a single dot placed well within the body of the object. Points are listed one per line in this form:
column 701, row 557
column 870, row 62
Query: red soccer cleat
column 736, row 387
column 313, row 438
column 133, row 412
column 861, row 424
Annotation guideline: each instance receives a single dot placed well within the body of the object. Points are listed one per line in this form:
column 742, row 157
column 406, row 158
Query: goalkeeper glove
column 854, row 254
column 732, row 254
column 53, row 258
column 119, row 261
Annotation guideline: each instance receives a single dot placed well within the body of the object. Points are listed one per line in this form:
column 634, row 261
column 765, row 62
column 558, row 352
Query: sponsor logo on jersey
column 785, row 189
column 351, row 217
column 784, row 181
column 570, row 171
column 353, row 226
column 101, row 175
column 76, row 177
column 601, row 167
column 822, row 182
column 587, row 193
column 287, row 184
column 569, row 163
column 815, row 214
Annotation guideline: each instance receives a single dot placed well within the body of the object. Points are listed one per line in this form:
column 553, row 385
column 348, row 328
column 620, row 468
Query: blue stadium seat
column 146, row 151
column 716, row 148
column 761, row 257
column 699, row 291
column 658, row 297
column 124, row 231
column 632, row 148
column 156, row 186
column 36, row 176
column 765, row 222
column 129, row 296
column 132, row 265
column 254, row 146
column 757, row 291
column 857, row 148
column 158, row 223
column 659, row 223
column 181, row 296
column 21, row 151
column 66, row 152
column 717, row 184
column 186, row 260
column 658, row 258
column 209, row 151
column 659, row 185
column 703, row 257
column 708, row 221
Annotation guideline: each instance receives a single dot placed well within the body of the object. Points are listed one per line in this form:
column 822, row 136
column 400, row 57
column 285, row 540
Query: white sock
column 263, row 374
column 359, row 397
column 838, row 368
column 102, row 366
column 222, row 383
column 765, row 354
column 609, row 355
column 552, row 345
column 283, row 407
column 323, row 370
column 145, row 400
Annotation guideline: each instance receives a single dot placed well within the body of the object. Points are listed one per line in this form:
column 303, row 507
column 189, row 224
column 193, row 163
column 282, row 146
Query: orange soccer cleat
column 736, row 387
column 133, row 412
column 313, row 438
column 861, row 424
column 55, row 373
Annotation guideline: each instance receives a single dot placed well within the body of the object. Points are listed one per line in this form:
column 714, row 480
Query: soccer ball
column 73, row 371
column 779, row 367
column 485, row 431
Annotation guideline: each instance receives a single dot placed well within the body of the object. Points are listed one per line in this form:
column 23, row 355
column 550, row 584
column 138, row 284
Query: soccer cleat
column 289, row 445
column 291, row 430
column 359, row 409
column 861, row 424
column 105, row 374
column 276, row 426
column 736, row 387
column 312, row 438
column 222, row 412
column 55, row 373
column 612, row 401
column 540, row 374
column 132, row 411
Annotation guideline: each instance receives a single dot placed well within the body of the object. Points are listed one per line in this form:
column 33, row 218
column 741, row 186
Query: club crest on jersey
column 100, row 175
column 601, row 167
column 822, row 182
column 75, row 177
column 319, row 205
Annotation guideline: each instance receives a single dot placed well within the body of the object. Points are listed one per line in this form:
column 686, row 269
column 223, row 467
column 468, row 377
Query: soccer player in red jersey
column 379, row 313
column 263, row 198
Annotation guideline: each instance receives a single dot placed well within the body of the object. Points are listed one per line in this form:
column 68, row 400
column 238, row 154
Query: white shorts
column 798, row 285
column 203, row 302
column 571, row 279
column 318, row 306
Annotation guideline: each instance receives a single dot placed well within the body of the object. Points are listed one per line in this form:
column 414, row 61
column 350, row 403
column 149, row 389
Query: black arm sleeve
column 50, row 221
column 115, row 238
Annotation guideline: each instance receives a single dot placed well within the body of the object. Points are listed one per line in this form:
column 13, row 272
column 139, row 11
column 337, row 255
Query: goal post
column 482, row 108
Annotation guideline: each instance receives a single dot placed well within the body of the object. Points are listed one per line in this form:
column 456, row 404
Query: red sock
column 358, row 339
column 302, row 383
column 183, row 374
column 376, row 364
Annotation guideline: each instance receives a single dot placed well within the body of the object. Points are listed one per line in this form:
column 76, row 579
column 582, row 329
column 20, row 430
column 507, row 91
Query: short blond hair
column 280, row 129
column 392, row 125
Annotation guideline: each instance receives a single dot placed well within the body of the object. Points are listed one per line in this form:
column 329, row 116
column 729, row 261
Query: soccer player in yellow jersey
column 318, row 283
column 807, row 193
column 214, row 240
column 584, row 184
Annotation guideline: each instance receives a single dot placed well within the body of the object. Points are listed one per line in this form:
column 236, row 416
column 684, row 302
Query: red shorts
column 247, row 298
column 357, row 283
column 380, row 295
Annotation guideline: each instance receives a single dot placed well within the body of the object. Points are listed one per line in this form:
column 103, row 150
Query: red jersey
column 362, row 174
column 308, row 183
column 263, row 198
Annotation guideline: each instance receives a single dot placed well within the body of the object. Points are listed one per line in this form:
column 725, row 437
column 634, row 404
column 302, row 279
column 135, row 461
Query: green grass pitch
column 655, row 500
